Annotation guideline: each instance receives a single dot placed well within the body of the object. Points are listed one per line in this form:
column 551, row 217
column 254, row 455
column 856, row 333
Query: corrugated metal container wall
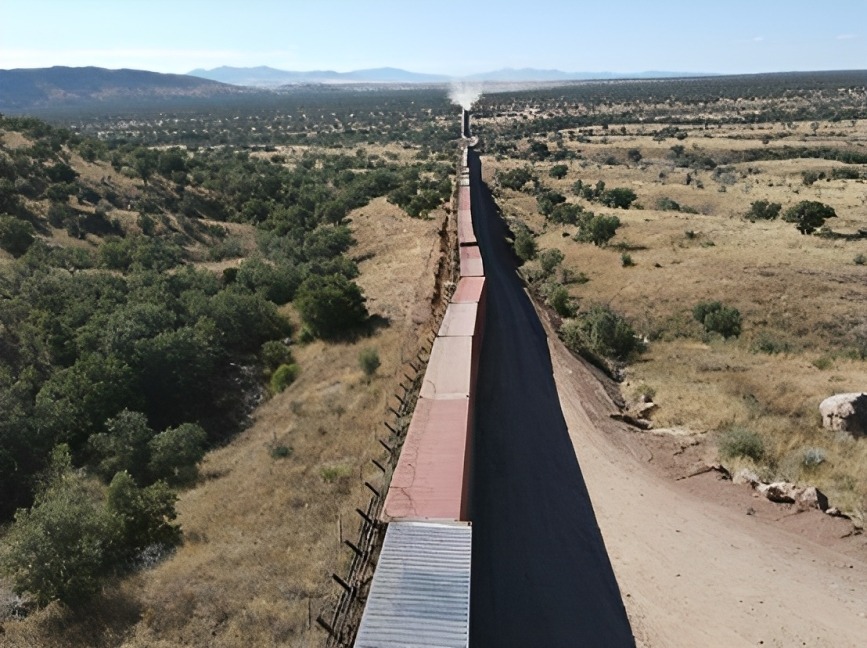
column 430, row 478
column 420, row 595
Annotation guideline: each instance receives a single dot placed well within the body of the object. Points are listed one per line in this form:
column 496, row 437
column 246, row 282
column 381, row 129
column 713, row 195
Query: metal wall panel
column 471, row 262
column 420, row 595
column 429, row 480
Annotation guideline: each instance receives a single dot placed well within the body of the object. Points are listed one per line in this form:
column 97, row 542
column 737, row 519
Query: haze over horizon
column 452, row 38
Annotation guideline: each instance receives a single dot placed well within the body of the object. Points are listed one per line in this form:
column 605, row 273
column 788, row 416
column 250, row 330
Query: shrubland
column 147, row 297
column 742, row 283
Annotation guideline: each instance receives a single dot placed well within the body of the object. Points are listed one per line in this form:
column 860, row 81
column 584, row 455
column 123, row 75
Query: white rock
column 780, row 492
column 746, row 476
column 812, row 498
column 845, row 413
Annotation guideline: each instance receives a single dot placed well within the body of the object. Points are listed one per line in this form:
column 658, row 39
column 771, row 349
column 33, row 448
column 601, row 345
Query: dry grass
column 261, row 529
column 802, row 295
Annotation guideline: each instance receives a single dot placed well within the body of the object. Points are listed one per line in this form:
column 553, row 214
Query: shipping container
column 449, row 372
column 471, row 262
column 460, row 320
column 470, row 290
column 420, row 594
column 431, row 481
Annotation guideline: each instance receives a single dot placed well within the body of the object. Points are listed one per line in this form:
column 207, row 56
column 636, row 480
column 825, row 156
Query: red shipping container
column 430, row 481
column 471, row 262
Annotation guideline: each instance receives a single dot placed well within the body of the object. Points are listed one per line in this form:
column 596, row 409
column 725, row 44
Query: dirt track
column 702, row 562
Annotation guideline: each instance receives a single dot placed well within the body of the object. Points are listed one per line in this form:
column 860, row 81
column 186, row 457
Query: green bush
column 550, row 259
column 598, row 229
column 525, row 245
column 602, row 332
column 561, row 302
column 368, row 360
column 78, row 533
column 741, row 442
column 667, row 204
column 284, row 376
column 142, row 517
column 516, row 178
column 16, row 236
column 331, row 305
column 813, row 457
column 558, row 171
column 809, row 215
column 274, row 353
column 626, row 260
column 716, row 317
column 620, row 197
column 176, row 452
column 763, row 210
column 565, row 214
column 767, row 342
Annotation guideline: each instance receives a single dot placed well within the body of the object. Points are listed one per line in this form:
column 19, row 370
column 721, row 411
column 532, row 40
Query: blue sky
column 439, row 36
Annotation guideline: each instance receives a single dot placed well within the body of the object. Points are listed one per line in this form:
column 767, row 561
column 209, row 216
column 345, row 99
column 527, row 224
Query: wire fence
column 340, row 620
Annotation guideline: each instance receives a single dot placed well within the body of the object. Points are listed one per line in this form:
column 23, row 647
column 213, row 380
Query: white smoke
column 465, row 94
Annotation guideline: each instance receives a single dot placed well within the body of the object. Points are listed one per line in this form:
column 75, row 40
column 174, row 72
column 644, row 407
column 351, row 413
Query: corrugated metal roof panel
column 460, row 320
column 420, row 595
column 469, row 291
column 471, row 262
column 429, row 481
column 449, row 369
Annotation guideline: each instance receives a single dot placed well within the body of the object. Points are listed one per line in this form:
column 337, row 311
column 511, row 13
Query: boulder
column 845, row 413
column 812, row 498
column 780, row 492
column 746, row 476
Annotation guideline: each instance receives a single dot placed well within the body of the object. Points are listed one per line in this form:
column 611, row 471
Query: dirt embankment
column 702, row 562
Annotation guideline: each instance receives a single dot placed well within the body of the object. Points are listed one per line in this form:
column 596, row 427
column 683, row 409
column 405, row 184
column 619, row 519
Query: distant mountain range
column 29, row 89
column 46, row 90
column 268, row 77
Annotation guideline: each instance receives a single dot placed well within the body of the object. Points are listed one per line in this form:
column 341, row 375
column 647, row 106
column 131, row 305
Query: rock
column 845, row 413
column 746, row 476
column 812, row 498
column 642, row 409
column 835, row 512
column 780, row 492
column 632, row 420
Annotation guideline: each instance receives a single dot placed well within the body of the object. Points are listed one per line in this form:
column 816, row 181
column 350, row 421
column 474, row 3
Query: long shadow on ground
column 540, row 574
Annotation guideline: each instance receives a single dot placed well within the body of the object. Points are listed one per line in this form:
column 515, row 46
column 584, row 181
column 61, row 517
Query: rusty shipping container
column 431, row 480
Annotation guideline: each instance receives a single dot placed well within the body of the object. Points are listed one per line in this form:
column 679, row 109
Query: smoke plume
column 465, row 94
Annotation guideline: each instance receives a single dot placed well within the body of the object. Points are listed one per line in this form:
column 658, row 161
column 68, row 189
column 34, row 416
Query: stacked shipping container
column 427, row 547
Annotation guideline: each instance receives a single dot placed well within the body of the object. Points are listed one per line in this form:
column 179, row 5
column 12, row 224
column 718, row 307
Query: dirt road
column 541, row 575
column 698, row 563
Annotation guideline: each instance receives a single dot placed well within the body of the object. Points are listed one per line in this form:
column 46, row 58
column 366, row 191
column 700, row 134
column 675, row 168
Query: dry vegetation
column 263, row 527
column 801, row 297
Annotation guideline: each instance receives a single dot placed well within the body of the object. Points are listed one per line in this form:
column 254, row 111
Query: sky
column 437, row 36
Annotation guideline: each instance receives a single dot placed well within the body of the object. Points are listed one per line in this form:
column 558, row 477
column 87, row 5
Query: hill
column 22, row 90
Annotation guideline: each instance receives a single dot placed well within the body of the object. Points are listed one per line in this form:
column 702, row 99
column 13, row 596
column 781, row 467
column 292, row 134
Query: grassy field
column 801, row 297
